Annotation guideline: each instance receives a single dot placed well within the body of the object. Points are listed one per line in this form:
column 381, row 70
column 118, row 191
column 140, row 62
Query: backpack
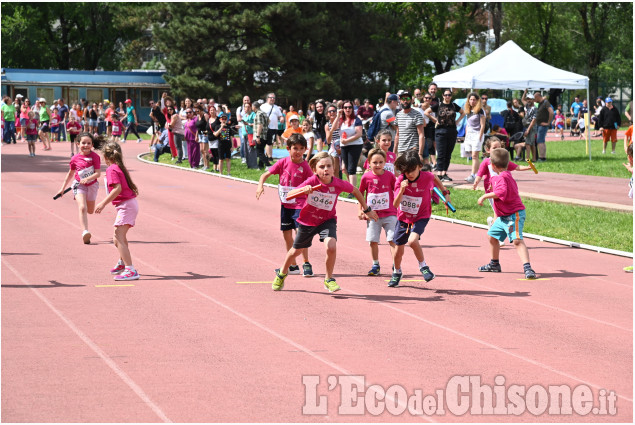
column 375, row 125
column 512, row 121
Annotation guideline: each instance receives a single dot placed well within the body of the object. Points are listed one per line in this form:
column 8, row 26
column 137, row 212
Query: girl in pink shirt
column 413, row 203
column 559, row 123
column 117, row 127
column 55, row 125
column 123, row 195
column 317, row 216
column 30, row 128
column 379, row 184
column 383, row 141
column 85, row 167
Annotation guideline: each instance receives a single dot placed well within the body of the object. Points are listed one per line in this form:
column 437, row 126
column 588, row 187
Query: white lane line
column 110, row 362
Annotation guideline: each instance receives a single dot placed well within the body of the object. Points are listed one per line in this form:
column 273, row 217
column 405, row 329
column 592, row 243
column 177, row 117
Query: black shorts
column 271, row 136
column 73, row 136
column 156, row 129
column 403, row 230
column 224, row 149
column 304, row 237
column 288, row 218
column 44, row 127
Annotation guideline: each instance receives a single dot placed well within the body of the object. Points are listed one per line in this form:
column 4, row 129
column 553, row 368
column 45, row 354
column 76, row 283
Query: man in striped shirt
column 409, row 129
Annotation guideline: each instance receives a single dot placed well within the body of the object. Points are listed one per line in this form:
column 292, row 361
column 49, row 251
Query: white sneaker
column 501, row 243
column 470, row 178
column 490, row 221
column 86, row 236
column 140, row 140
column 243, row 161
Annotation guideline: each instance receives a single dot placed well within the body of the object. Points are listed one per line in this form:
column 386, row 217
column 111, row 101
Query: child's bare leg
column 522, row 250
column 121, row 242
column 374, row 251
column 331, row 252
column 90, row 207
column 287, row 235
column 290, row 258
column 475, row 162
column 229, row 166
column 413, row 241
column 80, row 198
column 494, row 246
column 393, row 249
column 305, row 255
column 397, row 256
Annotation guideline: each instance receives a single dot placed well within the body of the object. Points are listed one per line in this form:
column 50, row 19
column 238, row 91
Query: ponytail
column 112, row 152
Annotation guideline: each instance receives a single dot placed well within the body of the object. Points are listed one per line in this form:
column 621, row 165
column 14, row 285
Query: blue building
column 94, row 86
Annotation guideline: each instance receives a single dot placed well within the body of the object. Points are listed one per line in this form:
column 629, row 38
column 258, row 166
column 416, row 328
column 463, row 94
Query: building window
column 73, row 96
column 94, row 96
column 47, row 93
column 146, row 96
column 24, row 91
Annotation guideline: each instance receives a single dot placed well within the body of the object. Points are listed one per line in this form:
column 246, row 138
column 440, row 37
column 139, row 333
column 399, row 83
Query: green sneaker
column 331, row 285
column 278, row 282
column 628, row 269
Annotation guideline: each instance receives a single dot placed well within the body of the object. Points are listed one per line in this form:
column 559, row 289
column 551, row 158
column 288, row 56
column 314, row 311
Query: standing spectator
column 176, row 127
column 418, row 99
column 544, row 116
column 261, row 124
column 242, row 134
column 8, row 115
column 488, row 111
column 319, row 122
column 512, row 122
column 474, row 129
column 518, row 107
column 610, row 120
column 213, row 140
column 92, row 119
column 445, row 132
column 351, row 141
column 366, row 112
column 273, row 113
column 356, row 105
column 202, row 124
column 531, row 129
column 575, row 111
column 44, row 125
column 429, row 129
column 132, row 121
column 158, row 121
column 248, row 116
column 387, row 114
column 409, row 134
column 223, row 132
column 332, row 129
column 189, row 130
column 596, row 114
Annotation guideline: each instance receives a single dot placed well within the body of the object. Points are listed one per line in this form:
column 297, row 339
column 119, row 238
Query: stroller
column 575, row 130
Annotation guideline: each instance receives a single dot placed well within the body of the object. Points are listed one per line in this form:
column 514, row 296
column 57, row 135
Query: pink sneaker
column 118, row 269
column 127, row 274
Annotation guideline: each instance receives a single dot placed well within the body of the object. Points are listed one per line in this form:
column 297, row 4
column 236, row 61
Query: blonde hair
column 376, row 151
column 317, row 158
column 468, row 108
column 112, row 153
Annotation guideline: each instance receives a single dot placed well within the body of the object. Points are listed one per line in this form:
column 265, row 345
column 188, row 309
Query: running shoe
column 86, row 236
column 307, row 269
column 394, row 280
column 278, row 282
column 490, row 221
column 530, row 274
column 374, row 271
column 427, row 273
column 628, row 269
column 331, row 285
column 117, row 269
column 294, row 269
column 490, row 267
column 128, row 274
column 470, row 178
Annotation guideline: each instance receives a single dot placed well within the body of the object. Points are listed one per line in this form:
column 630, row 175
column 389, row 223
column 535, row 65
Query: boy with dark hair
column 510, row 212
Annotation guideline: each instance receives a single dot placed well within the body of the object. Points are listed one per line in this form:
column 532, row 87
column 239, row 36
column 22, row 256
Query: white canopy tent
column 510, row 67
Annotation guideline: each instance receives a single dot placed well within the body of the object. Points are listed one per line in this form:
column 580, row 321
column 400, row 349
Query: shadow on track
column 53, row 284
column 192, row 276
column 397, row 299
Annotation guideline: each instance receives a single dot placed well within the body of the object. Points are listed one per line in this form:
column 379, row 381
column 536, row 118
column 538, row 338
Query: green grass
column 567, row 222
column 570, row 157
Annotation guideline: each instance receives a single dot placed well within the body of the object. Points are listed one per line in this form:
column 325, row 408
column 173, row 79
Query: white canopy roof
column 510, row 67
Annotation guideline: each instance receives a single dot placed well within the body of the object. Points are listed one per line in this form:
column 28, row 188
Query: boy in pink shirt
column 318, row 217
column 379, row 184
column 413, row 203
column 511, row 214
column 293, row 170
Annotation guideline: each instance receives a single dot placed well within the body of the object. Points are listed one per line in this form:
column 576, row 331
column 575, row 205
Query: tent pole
column 588, row 130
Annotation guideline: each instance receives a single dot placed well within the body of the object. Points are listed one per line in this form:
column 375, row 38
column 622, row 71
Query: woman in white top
column 350, row 140
column 474, row 129
column 175, row 125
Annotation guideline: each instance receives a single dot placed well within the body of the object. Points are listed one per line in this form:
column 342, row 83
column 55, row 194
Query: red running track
column 189, row 342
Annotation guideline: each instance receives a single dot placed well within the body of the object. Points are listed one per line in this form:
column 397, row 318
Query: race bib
column 86, row 172
column 491, row 170
column 378, row 201
column 283, row 191
column 410, row 204
column 321, row 200
column 115, row 128
column 389, row 166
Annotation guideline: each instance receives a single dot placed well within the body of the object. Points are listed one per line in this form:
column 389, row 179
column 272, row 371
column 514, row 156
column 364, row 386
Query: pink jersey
column 115, row 176
column 380, row 195
column 320, row 205
column 291, row 175
column 389, row 165
column 486, row 171
column 505, row 187
column 560, row 120
column 73, row 127
column 31, row 126
column 415, row 202
column 55, row 120
column 116, row 128
column 85, row 166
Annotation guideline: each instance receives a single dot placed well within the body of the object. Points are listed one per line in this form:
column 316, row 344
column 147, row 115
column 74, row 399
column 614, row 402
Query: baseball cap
column 42, row 100
column 608, row 99
column 222, row 115
column 128, row 101
column 259, row 102
column 18, row 96
column 294, row 117
column 529, row 96
column 392, row 98
column 404, row 93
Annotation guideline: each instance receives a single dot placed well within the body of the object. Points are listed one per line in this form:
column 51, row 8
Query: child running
column 510, row 212
column 318, row 217
column 559, row 123
column 413, row 203
column 485, row 172
column 31, row 132
column 55, row 125
column 293, row 170
column 383, row 141
column 379, row 184
column 85, row 166
column 73, row 128
column 123, row 195
column 117, row 127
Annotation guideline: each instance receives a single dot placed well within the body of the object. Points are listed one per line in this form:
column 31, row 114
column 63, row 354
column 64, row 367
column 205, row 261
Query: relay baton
column 316, row 187
column 60, row 194
column 445, row 201
column 531, row 164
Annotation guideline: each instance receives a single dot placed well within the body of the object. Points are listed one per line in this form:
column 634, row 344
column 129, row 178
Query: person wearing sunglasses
column 445, row 132
column 409, row 135
column 351, row 141
column 488, row 111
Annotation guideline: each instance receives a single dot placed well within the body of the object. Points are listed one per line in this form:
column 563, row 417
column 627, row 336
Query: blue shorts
column 541, row 134
column 509, row 226
column 288, row 218
column 403, row 230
